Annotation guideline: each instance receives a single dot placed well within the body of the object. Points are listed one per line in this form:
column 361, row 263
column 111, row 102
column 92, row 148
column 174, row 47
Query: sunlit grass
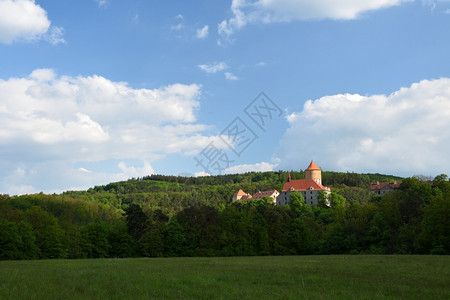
column 282, row 277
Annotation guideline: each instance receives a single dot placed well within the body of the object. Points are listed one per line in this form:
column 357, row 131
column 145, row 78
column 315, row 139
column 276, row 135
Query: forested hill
column 173, row 193
column 179, row 216
column 252, row 181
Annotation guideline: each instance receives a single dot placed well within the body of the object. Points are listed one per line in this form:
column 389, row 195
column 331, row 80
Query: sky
column 97, row 91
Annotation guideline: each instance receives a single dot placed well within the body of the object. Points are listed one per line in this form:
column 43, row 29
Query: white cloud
column 214, row 67
column 55, row 35
column 49, row 122
column 230, row 76
column 136, row 172
column 202, row 33
column 179, row 26
column 102, row 3
column 22, row 20
column 201, row 174
column 268, row 11
column 403, row 133
column 136, row 19
column 258, row 167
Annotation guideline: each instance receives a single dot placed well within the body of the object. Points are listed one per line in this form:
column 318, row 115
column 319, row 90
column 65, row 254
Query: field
column 282, row 277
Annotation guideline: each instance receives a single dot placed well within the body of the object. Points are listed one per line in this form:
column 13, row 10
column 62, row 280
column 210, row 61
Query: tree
column 9, row 240
column 336, row 200
column 49, row 234
column 201, row 226
column 379, row 234
column 152, row 239
column 136, row 220
column 278, row 224
column 175, row 241
column 122, row 244
column 296, row 203
column 27, row 248
column 435, row 236
column 300, row 237
column 95, row 241
column 234, row 229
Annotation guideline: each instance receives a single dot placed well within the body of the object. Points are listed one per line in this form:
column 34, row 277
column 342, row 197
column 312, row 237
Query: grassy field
column 283, row 277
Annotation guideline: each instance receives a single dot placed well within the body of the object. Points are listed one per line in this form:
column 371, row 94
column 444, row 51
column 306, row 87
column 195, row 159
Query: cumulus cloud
column 131, row 171
column 268, row 11
column 404, row 133
column 24, row 20
column 214, row 67
column 258, row 167
column 201, row 174
column 48, row 119
column 202, row 33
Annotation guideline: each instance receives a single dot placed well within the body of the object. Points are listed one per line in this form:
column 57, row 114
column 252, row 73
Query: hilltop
column 172, row 193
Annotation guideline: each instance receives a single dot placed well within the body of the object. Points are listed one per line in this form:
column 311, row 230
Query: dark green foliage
column 121, row 243
column 27, row 248
column 336, row 200
column 193, row 217
column 355, row 195
column 136, row 220
column 202, row 229
column 49, row 234
column 296, row 203
column 175, row 240
column 9, row 240
column 95, row 242
column 17, row 241
column 300, row 237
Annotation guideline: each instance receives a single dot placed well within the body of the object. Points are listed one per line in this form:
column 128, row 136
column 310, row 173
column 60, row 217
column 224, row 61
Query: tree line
column 412, row 219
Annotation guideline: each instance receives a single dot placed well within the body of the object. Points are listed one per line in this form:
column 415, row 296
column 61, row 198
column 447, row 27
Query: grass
column 282, row 277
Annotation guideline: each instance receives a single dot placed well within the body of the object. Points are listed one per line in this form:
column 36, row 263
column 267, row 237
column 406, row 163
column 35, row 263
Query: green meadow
column 281, row 277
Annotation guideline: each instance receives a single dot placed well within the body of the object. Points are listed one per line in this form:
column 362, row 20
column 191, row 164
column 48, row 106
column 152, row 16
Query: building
column 381, row 188
column 309, row 187
column 241, row 195
column 272, row 194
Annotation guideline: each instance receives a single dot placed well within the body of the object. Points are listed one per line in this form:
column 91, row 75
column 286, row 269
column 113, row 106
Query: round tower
column 314, row 172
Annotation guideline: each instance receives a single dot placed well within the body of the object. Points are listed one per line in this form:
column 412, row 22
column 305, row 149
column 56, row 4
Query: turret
column 314, row 172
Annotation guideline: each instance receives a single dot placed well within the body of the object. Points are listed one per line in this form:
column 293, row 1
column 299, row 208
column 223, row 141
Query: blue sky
column 104, row 90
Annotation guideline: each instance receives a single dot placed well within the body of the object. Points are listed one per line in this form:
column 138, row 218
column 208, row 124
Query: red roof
column 385, row 185
column 260, row 195
column 312, row 166
column 246, row 197
column 240, row 193
column 302, row 185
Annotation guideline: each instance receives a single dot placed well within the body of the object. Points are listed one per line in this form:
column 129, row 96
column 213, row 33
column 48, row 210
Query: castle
column 309, row 188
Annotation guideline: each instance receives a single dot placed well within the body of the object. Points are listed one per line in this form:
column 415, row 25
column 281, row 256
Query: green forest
column 171, row 216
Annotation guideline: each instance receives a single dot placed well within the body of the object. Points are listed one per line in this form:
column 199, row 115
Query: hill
column 172, row 193
column 179, row 216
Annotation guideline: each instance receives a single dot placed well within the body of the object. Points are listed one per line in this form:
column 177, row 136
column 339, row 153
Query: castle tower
column 314, row 172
